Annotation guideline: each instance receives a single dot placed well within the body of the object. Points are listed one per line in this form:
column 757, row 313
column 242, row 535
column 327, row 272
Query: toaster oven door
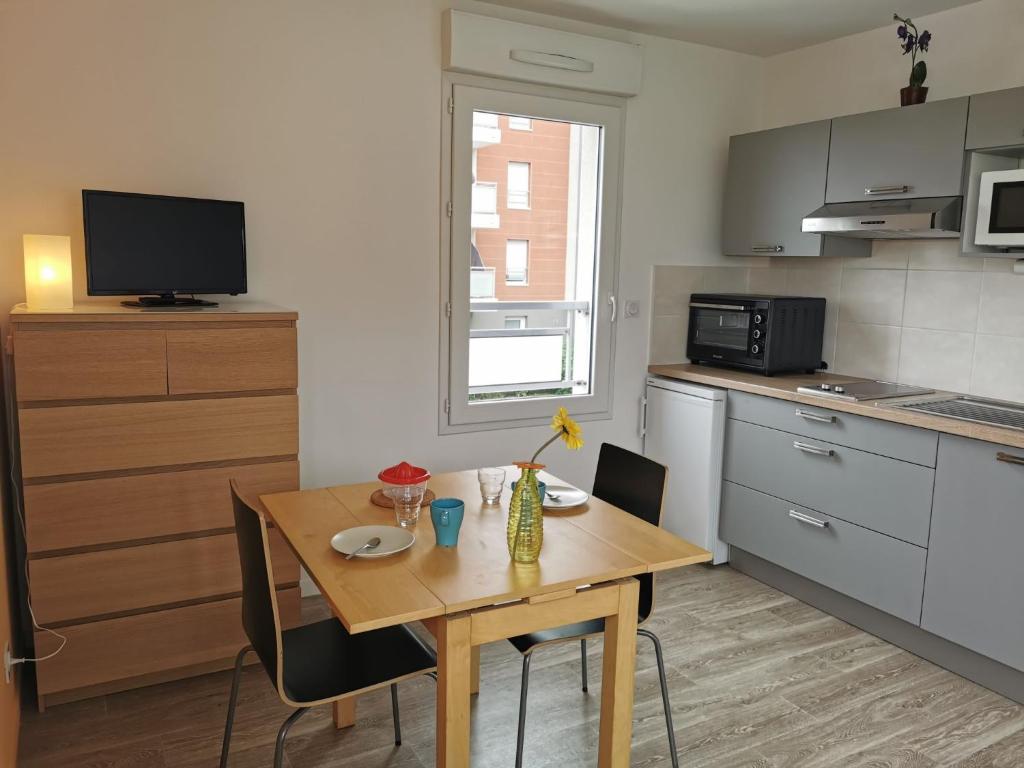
column 723, row 333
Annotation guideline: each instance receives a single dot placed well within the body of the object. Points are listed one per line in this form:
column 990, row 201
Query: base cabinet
column 974, row 587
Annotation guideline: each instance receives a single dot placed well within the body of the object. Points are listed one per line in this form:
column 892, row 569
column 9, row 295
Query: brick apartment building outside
column 545, row 147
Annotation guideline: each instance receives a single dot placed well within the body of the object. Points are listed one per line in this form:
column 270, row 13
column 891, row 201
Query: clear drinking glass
column 407, row 499
column 491, row 481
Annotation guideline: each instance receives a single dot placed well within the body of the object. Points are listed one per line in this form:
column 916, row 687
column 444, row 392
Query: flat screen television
column 167, row 246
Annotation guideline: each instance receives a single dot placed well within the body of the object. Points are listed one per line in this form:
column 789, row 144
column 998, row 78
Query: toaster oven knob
column 758, row 319
column 755, row 349
column 757, row 334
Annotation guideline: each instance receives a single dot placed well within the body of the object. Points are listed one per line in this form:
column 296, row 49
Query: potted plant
column 915, row 44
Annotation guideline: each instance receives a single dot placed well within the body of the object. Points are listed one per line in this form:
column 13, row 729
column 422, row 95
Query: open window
column 514, row 349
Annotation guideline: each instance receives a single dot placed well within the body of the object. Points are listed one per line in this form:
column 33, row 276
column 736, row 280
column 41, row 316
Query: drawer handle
column 817, row 450
column 891, row 189
column 815, row 416
column 1009, row 458
column 800, row 516
column 768, row 248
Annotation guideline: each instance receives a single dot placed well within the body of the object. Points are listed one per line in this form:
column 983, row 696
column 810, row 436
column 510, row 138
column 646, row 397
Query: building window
column 517, row 258
column 519, row 185
column 513, row 350
column 515, row 322
column 517, row 123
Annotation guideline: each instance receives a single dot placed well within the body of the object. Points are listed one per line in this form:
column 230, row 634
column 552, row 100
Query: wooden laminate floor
column 757, row 679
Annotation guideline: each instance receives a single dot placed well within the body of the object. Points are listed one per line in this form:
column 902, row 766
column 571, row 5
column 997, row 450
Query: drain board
column 969, row 409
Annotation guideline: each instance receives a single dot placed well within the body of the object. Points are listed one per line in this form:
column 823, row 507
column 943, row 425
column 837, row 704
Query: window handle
column 615, row 308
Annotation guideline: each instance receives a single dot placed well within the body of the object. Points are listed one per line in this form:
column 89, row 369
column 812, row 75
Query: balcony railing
column 523, row 359
column 485, row 206
column 481, row 283
column 485, row 130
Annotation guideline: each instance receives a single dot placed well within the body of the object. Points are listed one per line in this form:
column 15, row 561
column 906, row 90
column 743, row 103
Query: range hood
column 908, row 219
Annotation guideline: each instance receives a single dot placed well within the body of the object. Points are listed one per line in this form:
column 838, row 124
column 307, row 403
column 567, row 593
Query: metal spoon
column 554, row 497
column 371, row 544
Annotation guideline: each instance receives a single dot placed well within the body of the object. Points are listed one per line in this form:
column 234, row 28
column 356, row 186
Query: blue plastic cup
column 446, row 515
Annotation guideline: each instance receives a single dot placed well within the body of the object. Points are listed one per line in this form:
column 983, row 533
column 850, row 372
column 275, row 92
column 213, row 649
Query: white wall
column 324, row 117
column 975, row 48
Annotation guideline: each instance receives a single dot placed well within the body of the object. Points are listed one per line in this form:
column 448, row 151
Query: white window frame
column 508, row 186
column 526, row 125
column 465, row 94
column 526, row 266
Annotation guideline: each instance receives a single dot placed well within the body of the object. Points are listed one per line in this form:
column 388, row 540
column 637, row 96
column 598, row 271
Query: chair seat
column 526, row 643
column 323, row 661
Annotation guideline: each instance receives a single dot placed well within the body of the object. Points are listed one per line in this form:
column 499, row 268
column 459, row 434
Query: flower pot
column 913, row 94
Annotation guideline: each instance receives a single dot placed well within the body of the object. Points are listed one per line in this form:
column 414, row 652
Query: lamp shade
column 48, row 271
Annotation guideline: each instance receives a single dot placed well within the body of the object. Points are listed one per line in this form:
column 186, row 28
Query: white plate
column 392, row 540
column 567, row 497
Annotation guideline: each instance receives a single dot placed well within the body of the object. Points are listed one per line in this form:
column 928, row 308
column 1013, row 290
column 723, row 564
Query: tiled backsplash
column 915, row 311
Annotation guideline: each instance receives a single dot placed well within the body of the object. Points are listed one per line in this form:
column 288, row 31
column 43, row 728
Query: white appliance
column 1001, row 209
column 684, row 429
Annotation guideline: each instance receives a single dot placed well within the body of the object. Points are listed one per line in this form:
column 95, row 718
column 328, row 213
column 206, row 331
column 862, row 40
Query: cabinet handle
column 768, row 248
column 1009, row 458
column 800, row 516
column 815, row 416
column 892, row 189
column 817, row 450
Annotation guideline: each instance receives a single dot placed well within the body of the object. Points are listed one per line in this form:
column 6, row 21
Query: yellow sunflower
column 569, row 430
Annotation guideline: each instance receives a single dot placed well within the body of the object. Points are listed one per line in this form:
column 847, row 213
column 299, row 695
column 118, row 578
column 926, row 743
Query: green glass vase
column 526, row 517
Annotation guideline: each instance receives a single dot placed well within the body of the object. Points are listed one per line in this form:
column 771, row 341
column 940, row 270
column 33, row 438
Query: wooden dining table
column 472, row 594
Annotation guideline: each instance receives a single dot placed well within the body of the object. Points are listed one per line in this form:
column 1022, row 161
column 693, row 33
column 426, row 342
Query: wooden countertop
column 783, row 387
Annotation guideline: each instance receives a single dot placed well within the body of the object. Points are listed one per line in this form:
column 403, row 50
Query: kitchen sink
column 979, row 410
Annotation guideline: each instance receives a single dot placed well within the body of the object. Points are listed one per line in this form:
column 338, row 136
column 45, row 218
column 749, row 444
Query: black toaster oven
column 763, row 334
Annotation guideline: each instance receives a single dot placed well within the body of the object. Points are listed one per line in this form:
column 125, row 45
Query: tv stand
column 169, row 300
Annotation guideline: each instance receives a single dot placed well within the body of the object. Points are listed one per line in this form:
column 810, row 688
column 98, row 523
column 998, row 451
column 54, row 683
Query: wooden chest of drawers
column 130, row 425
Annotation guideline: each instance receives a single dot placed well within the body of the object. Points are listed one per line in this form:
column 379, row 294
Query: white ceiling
column 761, row 27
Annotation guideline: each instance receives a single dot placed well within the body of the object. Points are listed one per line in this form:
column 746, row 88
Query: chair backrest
column 635, row 484
column 259, row 602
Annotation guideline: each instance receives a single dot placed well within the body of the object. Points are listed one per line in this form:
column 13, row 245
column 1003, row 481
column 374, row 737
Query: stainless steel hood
column 909, row 219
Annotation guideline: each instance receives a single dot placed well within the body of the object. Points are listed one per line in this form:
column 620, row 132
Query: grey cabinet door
column 974, row 585
column 920, row 148
column 775, row 178
column 996, row 119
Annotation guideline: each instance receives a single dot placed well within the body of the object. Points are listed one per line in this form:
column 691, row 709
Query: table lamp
column 48, row 271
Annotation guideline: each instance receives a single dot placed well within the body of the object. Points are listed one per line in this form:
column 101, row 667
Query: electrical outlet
column 8, row 663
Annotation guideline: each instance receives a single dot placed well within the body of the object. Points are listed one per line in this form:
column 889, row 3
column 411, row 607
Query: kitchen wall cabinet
column 974, row 587
column 895, row 153
column 775, row 178
column 996, row 119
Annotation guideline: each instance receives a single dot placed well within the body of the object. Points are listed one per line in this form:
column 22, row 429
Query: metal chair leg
column 522, row 709
column 232, row 701
column 664, row 694
column 583, row 658
column 394, row 714
column 283, row 734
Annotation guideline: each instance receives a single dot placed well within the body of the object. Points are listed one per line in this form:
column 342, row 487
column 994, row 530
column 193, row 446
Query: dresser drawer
column 882, row 437
column 150, row 643
column 875, row 569
column 242, row 359
column 70, row 440
column 84, row 513
column 73, row 365
column 133, row 578
column 885, row 495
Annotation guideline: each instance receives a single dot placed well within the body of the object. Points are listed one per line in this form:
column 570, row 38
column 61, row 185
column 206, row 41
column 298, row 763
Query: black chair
column 635, row 484
column 316, row 663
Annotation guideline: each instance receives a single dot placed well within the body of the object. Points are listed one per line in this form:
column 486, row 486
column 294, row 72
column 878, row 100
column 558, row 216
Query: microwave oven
column 763, row 334
column 1001, row 209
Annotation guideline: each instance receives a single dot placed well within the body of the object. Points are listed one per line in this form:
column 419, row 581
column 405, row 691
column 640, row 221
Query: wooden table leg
column 454, row 673
column 345, row 712
column 618, row 679
column 474, row 670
